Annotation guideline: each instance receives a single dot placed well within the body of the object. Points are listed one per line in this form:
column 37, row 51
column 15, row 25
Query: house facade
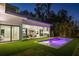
column 14, row 26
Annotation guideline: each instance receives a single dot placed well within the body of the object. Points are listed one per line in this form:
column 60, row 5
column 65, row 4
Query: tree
column 42, row 11
column 65, row 26
column 25, row 12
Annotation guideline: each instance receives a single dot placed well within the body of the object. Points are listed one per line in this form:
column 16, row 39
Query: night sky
column 73, row 9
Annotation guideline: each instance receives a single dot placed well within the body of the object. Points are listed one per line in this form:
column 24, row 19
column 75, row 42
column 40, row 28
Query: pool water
column 55, row 42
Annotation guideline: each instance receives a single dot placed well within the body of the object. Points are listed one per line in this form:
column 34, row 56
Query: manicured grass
column 31, row 48
column 76, row 51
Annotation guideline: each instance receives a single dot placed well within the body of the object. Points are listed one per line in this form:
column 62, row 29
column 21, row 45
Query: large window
column 5, row 33
column 15, row 33
column 8, row 33
column 24, row 33
column 41, row 32
column 35, row 31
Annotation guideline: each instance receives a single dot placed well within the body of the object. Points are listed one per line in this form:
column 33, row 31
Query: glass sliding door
column 15, row 33
column 24, row 33
column 5, row 33
column 8, row 33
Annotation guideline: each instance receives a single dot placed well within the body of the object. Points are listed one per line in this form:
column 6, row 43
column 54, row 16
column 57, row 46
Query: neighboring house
column 14, row 26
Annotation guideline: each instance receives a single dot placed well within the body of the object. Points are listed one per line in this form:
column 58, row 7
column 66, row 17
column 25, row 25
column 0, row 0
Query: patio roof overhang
column 35, row 23
column 25, row 20
column 11, row 19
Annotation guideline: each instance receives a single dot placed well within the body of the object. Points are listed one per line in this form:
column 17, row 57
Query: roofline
column 19, row 15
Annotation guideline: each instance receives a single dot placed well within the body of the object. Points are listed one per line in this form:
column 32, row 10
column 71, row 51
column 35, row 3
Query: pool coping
column 45, row 44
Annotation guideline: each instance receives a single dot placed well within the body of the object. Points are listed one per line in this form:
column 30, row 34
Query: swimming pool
column 55, row 42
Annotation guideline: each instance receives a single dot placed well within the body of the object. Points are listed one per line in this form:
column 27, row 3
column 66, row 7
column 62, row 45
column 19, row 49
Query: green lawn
column 76, row 51
column 31, row 48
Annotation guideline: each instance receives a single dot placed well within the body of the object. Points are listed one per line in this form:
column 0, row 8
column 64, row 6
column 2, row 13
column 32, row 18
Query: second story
column 5, row 7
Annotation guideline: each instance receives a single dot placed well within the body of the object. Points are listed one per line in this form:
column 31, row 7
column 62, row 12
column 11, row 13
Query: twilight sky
column 72, row 8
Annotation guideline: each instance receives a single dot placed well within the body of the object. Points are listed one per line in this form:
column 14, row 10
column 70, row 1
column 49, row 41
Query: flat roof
column 25, row 20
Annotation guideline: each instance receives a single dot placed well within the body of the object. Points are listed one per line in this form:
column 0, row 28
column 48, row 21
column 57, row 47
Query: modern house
column 14, row 26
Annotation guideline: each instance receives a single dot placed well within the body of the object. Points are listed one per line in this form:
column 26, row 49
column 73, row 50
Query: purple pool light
column 56, row 42
column 56, row 39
